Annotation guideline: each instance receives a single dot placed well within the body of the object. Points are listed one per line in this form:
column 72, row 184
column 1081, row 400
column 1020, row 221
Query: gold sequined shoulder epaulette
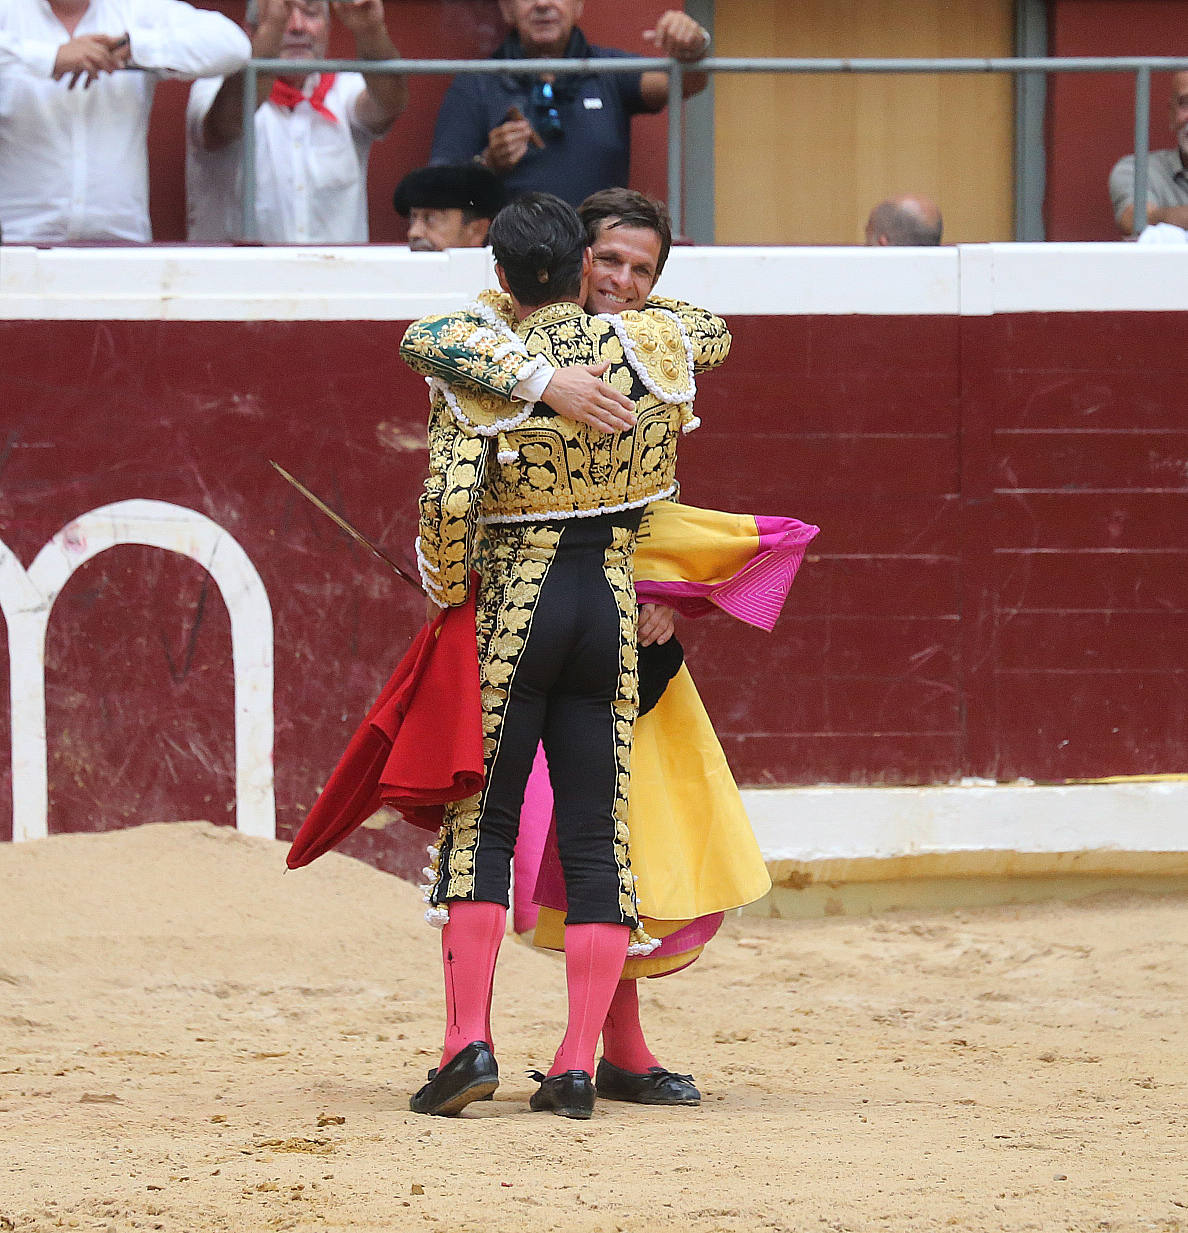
column 500, row 303
column 658, row 350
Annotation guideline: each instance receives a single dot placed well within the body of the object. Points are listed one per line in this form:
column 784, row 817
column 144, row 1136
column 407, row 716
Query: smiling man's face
column 625, row 263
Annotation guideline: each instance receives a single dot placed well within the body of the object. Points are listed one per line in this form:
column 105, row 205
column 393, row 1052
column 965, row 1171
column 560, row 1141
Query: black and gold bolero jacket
column 494, row 460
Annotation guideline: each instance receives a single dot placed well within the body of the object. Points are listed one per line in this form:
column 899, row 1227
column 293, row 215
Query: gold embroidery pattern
column 517, row 563
column 449, row 507
column 435, row 915
column 660, row 348
column 555, row 467
column 617, row 566
column 500, row 303
column 460, row 349
column 549, row 466
column 709, row 335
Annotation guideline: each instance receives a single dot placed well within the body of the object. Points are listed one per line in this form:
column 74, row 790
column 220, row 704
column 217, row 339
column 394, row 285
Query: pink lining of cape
column 757, row 592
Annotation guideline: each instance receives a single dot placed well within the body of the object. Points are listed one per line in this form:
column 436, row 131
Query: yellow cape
column 692, row 848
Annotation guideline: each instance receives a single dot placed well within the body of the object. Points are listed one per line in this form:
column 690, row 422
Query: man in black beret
column 449, row 206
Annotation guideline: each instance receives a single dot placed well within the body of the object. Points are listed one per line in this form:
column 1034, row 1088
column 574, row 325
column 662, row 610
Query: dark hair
column 539, row 241
column 474, row 190
column 624, row 207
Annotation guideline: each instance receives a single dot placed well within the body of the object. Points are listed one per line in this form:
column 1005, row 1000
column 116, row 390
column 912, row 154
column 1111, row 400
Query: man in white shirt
column 74, row 162
column 313, row 132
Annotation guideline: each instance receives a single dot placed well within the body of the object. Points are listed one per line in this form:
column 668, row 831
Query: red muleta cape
column 420, row 746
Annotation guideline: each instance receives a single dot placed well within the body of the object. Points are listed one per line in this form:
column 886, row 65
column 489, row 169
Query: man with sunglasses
column 568, row 134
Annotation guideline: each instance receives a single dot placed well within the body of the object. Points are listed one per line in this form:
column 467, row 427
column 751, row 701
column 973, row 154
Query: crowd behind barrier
column 1141, row 66
column 68, row 192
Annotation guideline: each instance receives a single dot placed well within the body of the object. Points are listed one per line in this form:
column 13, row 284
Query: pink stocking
column 469, row 948
column 594, row 957
column 623, row 1043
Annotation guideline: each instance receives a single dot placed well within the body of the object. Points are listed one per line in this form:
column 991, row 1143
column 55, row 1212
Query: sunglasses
column 544, row 106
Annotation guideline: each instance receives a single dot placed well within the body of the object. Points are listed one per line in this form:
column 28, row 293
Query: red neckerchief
column 285, row 95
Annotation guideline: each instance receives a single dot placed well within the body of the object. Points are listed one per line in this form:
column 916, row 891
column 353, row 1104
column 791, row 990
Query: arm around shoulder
column 464, row 350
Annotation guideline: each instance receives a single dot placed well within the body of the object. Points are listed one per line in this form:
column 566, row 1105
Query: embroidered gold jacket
column 493, row 460
column 464, row 349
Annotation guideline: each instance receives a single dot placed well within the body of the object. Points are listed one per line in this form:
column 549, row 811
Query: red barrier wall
column 421, row 29
column 998, row 589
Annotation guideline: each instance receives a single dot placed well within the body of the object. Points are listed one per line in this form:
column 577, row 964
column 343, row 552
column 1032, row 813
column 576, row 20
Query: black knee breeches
column 557, row 660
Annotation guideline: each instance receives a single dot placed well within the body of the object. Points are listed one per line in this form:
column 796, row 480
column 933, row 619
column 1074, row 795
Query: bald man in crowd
column 904, row 222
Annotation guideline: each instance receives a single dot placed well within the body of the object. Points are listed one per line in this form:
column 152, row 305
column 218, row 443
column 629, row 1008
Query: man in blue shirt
column 570, row 134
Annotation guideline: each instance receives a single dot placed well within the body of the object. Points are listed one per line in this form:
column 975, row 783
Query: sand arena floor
column 191, row 1041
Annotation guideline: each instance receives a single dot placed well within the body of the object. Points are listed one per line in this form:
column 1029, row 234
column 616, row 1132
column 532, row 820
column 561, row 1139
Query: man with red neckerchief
column 313, row 131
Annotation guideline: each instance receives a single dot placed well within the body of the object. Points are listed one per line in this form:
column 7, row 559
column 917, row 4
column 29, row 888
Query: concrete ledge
column 841, row 851
column 949, row 894
column 389, row 283
column 828, row 824
column 955, row 866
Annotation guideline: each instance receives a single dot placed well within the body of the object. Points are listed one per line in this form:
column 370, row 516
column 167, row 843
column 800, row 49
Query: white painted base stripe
column 844, row 823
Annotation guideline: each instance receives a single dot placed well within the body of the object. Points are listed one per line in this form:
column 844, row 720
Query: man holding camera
column 568, row 134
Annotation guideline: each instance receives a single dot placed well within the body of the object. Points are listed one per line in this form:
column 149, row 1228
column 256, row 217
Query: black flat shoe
column 433, row 1075
column 568, row 1095
column 656, row 1086
column 472, row 1075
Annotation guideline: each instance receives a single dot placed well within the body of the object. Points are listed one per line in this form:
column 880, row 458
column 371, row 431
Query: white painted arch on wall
column 27, row 599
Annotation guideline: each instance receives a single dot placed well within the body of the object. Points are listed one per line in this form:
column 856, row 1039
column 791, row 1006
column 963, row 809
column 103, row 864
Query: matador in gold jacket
column 694, row 854
column 558, row 506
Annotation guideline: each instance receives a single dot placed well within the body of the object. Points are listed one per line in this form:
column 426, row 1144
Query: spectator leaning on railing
column 568, row 134
column 74, row 117
column 313, row 131
column 1167, row 173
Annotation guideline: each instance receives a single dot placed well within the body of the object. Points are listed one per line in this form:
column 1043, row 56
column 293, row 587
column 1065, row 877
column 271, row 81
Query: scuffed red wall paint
column 423, row 30
column 998, row 588
column 190, row 414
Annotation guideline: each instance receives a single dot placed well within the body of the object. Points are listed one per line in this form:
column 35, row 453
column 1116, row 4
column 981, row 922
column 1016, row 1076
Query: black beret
column 461, row 186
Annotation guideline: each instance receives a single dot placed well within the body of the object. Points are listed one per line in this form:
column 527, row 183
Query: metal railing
column 1141, row 66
